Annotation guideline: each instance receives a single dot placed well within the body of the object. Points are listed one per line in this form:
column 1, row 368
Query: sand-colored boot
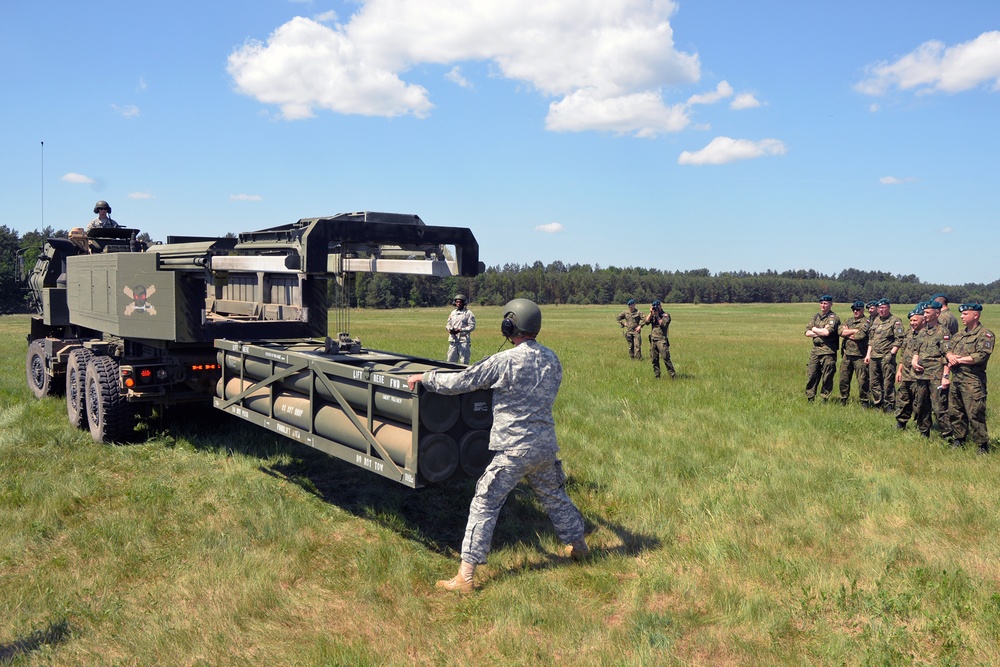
column 577, row 550
column 461, row 582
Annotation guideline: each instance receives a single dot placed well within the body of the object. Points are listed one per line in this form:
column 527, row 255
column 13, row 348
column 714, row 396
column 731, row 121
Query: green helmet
column 460, row 297
column 102, row 204
column 521, row 316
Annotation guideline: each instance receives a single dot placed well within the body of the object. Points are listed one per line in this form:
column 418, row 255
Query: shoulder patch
column 988, row 334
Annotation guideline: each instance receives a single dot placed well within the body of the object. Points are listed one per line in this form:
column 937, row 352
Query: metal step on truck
column 123, row 329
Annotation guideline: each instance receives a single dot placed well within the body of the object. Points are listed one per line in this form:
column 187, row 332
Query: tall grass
column 732, row 523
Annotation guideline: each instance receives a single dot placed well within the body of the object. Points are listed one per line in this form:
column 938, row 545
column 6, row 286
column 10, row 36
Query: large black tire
column 36, row 370
column 108, row 412
column 76, row 392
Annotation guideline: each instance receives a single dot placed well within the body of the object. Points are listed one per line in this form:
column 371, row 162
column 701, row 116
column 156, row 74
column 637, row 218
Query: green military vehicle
column 123, row 329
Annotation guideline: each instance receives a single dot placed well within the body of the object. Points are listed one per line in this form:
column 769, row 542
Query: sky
column 718, row 134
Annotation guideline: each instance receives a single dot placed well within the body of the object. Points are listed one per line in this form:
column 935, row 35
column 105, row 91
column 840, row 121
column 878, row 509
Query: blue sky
column 725, row 135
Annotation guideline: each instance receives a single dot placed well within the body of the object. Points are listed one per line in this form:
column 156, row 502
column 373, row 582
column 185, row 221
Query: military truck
column 124, row 330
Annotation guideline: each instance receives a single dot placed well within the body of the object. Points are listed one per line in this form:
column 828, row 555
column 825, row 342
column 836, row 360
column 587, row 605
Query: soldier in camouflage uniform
column 948, row 320
column 823, row 358
column 883, row 343
column 854, row 331
column 461, row 323
column 906, row 377
column 928, row 364
column 967, row 358
column 524, row 381
column 629, row 320
column 659, row 340
column 103, row 219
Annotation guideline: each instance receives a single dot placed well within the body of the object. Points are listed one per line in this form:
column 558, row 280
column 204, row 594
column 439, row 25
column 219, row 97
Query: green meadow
column 731, row 523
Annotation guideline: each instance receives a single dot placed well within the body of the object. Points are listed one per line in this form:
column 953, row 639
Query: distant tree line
column 559, row 283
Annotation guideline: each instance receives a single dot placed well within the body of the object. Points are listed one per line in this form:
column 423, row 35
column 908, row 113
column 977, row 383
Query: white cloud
column 744, row 101
column 893, row 180
column 142, row 83
column 723, row 150
column 874, row 107
column 127, row 111
column 326, row 17
column 455, row 76
column 245, row 197
column 596, row 57
column 140, row 195
column 947, row 230
column 933, row 67
column 722, row 91
column 77, row 178
column 550, row 228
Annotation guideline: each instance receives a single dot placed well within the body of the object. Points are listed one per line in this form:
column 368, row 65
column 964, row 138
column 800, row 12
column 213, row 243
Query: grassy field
column 731, row 522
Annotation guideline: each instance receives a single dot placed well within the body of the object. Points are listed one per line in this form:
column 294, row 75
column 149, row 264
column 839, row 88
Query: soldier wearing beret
column 928, row 364
column 629, row 319
column 906, row 376
column 822, row 364
column 967, row 357
column 883, row 343
column 659, row 339
column 854, row 331
column 872, row 307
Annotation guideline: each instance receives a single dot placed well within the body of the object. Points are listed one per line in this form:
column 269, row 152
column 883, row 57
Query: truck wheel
column 76, row 373
column 36, row 368
column 108, row 412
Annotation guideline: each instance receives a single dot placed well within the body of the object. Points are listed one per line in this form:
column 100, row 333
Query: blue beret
column 630, row 302
column 858, row 305
column 943, row 296
column 932, row 304
column 970, row 306
column 916, row 311
column 656, row 304
column 826, row 297
column 882, row 302
column 871, row 303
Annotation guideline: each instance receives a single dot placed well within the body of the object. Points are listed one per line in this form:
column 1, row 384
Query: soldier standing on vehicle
column 929, row 364
column 103, row 219
column 906, row 376
column 659, row 340
column 461, row 323
column 525, row 381
column 883, row 344
column 948, row 320
column 854, row 331
column 629, row 320
column 970, row 352
column 823, row 358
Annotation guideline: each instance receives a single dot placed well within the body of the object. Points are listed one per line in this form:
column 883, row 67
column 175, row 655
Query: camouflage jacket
column 462, row 321
column 886, row 332
column 949, row 321
column 932, row 344
column 525, row 381
column 828, row 344
column 856, row 345
column 907, row 347
column 978, row 344
column 660, row 324
column 630, row 319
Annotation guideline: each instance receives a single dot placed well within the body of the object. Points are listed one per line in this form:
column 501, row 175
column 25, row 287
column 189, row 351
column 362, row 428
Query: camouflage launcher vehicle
column 122, row 328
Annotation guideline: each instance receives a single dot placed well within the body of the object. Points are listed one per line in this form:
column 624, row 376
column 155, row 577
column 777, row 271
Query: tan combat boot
column 461, row 582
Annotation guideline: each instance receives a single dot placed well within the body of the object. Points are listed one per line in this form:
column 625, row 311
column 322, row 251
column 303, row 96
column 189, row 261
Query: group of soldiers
column 632, row 320
column 930, row 371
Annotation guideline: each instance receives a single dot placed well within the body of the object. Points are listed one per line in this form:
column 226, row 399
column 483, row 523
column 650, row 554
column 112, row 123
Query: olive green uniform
column 855, row 347
column 907, row 389
column 823, row 358
column 630, row 320
column 932, row 344
column 659, row 341
column 885, row 334
column 967, row 402
column 949, row 321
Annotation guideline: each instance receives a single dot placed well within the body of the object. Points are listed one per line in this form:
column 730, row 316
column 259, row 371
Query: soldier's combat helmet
column 521, row 316
column 459, row 297
column 102, row 204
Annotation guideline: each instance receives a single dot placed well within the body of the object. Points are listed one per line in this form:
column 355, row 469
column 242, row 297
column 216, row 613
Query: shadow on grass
column 55, row 633
column 435, row 516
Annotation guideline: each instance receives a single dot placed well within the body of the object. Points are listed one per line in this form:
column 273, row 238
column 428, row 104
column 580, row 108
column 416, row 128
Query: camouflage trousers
column 819, row 375
column 660, row 348
column 967, row 410
column 882, row 382
column 544, row 474
column 853, row 366
column 929, row 400
column 905, row 395
column 634, row 343
column 459, row 349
